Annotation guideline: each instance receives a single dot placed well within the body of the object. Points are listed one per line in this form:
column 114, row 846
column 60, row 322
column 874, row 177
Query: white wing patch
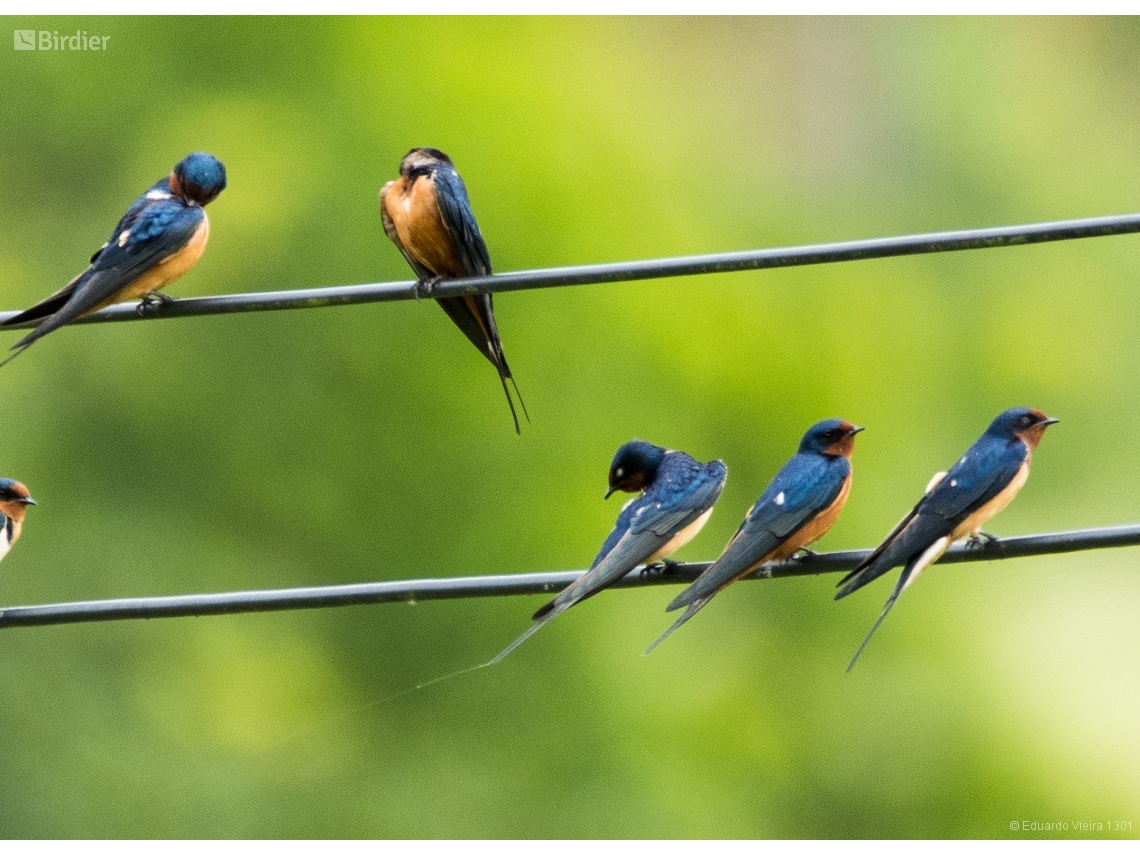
column 935, row 481
column 157, row 194
column 780, row 498
column 124, row 237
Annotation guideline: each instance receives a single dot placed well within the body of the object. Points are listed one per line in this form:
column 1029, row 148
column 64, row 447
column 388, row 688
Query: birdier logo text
column 52, row 40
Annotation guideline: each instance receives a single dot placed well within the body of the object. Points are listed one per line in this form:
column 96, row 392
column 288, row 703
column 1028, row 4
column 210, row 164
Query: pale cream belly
column 5, row 543
column 974, row 522
column 681, row 538
column 816, row 528
column 161, row 275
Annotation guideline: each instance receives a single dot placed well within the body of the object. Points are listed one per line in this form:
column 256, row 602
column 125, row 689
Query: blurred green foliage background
column 372, row 442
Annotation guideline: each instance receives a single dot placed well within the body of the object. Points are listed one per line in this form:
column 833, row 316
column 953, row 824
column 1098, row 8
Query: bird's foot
column 803, row 552
column 152, row 301
column 660, row 568
column 980, row 540
column 424, row 287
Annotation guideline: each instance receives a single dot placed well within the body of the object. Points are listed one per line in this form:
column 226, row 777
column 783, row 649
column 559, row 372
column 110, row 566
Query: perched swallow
column 427, row 214
column 678, row 498
column 801, row 503
column 14, row 501
column 957, row 503
column 159, row 238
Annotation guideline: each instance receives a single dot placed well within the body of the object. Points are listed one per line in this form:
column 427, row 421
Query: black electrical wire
column 591, row 274
column 411, row 591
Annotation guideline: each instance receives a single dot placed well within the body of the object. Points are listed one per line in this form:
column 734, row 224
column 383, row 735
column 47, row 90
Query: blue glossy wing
column 144, row 201
column 647, row 524
column 984, row 470
column 807, row 485
column 644, row 525
column 56, row 301
column 455, row 207
column 474, row 314
column 158, row 232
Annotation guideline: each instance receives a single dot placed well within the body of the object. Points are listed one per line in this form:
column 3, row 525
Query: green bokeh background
column 372, row 442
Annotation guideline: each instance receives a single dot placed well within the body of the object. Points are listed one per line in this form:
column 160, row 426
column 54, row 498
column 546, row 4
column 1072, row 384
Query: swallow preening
column 14, row 501
column 799, row 506
column 957, row 504
column 160, row 237
column 677, row 498
column 427, row 214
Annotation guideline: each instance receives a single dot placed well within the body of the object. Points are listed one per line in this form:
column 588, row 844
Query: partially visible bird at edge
column 14, row 501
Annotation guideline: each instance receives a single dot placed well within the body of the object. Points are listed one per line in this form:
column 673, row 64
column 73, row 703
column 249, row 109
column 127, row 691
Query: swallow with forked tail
column 160, row 237
column 678, row 498
column 956, row 505
column 798, row 507
column 426, row 212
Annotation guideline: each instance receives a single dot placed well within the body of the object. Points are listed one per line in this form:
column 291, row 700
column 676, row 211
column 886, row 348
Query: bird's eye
column 619, row 473
column 1024, row 420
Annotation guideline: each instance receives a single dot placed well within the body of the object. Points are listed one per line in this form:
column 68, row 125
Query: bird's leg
column 660, row 568
column 980, row 540
column 424, row 287
column 803, row 552
column 152, row 300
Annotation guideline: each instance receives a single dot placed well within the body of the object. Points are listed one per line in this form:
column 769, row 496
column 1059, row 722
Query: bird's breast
column 681, row 538
column 974, row 522
column 815, row 528
column 9, row 534
column 419, row 224
column 166, row 271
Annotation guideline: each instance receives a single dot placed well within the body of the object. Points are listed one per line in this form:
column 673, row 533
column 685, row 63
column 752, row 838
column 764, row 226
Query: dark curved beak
column 609, row 493
column 1049, row 421
column 26, row 501
column 855, row 429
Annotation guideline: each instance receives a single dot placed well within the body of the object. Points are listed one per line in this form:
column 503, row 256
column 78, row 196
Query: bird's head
column 421, row 161
column 1024, row 423
column 833, row 437
column 634, row 466
column 14, row 499
column 198, row 177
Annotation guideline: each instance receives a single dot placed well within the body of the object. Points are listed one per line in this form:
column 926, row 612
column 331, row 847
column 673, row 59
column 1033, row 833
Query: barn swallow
column 798, row 507
column 159, row 238
column 14, row 501
column 427, row 214
column 678, row 498
column 957, row 504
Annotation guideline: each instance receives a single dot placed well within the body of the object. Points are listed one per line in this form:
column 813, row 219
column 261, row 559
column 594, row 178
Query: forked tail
column 693, row 608
column 902, row 583
column 504, row 376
